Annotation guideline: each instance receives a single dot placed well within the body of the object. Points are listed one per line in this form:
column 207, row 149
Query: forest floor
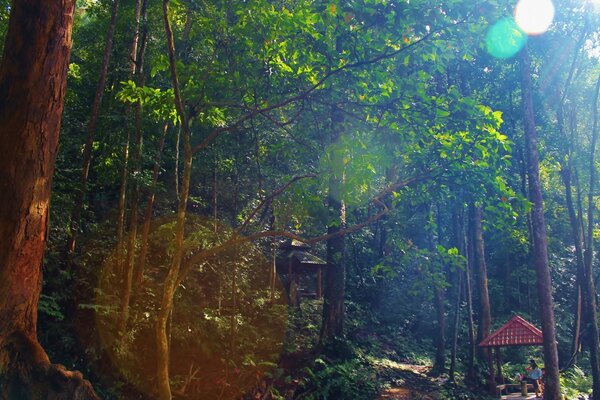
column 407, row 381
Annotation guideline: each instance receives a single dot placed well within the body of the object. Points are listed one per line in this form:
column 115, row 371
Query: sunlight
column 505, row 39
column 595, row 5
column 534, row 16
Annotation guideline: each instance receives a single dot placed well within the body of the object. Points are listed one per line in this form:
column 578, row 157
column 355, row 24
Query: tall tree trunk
column 91, row 131
column 33, row 74
column 137, row 166
column 171, row 281
column 589, row 288
column 138, row 277
column 133, row 56
column 458, row 243
column 566, row 173
column 540, row 245
column 578, row 242
column 439, row 363
column 576, row 232
column 470, row 375
column 335, row 277
column 485, row 314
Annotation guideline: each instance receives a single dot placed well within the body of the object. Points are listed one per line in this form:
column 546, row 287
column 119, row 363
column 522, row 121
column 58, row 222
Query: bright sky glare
column 534, row 16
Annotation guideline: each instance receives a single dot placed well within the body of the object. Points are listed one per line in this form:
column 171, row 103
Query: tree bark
column 32, row 90
column 91, row 132
column 540, row 244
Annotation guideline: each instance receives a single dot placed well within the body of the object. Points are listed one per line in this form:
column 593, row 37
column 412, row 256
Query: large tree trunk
column 91, row 132
column 335, row 276
column 32, row 90
column 540, row 244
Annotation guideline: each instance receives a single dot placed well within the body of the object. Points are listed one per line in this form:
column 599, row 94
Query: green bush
column 354, row 379
column 575, row 382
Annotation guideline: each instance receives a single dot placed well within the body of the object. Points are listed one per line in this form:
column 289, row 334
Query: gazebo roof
column 295, row 255
column 516, row 332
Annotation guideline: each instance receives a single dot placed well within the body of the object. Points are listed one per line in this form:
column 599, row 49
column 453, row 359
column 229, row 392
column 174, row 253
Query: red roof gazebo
column 516, row 332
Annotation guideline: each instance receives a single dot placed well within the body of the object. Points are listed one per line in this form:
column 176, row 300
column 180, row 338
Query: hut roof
column 516, row 332
column 294, row 244
column 304, row 257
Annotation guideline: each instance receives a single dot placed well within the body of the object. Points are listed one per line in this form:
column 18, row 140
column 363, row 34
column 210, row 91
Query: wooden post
column 524, row 388
column 272, row 274
column 319, row 282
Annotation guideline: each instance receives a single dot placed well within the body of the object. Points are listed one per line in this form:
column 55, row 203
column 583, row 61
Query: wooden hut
column 294, row 262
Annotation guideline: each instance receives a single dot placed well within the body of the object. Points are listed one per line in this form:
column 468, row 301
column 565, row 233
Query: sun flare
column 534, row 16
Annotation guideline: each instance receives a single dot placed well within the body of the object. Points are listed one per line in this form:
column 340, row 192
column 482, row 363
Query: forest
column 299, row 199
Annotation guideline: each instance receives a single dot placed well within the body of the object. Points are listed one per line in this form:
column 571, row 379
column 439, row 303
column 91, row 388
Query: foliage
column 352, row 379
column 575, row 383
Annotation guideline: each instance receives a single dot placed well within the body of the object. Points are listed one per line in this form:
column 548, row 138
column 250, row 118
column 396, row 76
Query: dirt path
column 406, row 381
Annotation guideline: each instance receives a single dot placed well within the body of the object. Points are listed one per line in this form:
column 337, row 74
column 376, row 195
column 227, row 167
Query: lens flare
column 505, row 39
column 534, row 16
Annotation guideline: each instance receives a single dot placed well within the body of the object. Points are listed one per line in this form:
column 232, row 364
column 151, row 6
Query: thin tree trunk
column 540, row 245
column 170, row 285
column 176, row 169
column 576, row 232
column 578, row 242
column 138, row 278
column 439, row 363
column 589, row 288
column 576, row 228
column 458, row 242
column 470, row 376
column 232, row 320
column 133, row 55
column 91, row 131
column 335, row 277
column 137, row 161
column 33, row 77
column 485, row 314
